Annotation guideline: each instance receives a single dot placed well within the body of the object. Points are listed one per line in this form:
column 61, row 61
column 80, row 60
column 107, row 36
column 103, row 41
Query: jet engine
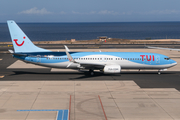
column 111, row 69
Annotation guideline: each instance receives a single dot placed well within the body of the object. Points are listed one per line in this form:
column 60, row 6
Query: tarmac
column 131, row 95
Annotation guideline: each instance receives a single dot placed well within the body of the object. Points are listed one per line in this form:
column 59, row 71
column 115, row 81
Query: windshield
column 166, row 58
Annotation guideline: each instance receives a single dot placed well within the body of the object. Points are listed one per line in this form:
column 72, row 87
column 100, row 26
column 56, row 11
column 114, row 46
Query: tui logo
column 15, row 40
column 150, row 58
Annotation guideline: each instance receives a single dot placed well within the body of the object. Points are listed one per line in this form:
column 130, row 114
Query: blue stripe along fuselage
column 144, row 58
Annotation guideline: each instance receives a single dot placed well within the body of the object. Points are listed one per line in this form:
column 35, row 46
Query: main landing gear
column 91, row 72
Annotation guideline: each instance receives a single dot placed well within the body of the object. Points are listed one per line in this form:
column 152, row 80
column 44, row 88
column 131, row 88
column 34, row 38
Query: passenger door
column 38, row 59
column 157, row 59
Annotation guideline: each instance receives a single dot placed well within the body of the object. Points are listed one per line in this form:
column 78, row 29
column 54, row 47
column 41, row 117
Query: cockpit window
column 166, row 58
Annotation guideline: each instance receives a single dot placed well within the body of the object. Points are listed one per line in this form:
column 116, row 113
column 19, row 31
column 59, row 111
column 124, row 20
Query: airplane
column 106, row 62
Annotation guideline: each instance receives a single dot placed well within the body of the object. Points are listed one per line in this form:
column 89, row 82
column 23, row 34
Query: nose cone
column 173, row 62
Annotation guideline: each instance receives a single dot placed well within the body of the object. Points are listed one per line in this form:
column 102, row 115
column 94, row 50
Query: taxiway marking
column 61, row 114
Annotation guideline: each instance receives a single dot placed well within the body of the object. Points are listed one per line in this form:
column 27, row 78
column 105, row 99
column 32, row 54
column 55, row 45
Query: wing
column 92, row 65
column 82, row 64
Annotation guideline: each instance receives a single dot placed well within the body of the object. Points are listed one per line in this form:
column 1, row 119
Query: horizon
column 96, row 22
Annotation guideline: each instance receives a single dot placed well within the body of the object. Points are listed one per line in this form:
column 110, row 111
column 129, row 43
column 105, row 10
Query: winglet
column 66, row 48
column 68, row 55
column 71, row 60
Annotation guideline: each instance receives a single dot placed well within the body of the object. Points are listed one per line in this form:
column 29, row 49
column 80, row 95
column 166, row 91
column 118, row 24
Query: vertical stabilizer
column 21, row 42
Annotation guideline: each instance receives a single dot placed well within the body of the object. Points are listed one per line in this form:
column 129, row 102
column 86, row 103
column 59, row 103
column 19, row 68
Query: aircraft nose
column 174, row 62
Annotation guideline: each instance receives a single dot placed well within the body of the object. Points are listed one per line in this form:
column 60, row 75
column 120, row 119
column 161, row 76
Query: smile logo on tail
column 15, row 40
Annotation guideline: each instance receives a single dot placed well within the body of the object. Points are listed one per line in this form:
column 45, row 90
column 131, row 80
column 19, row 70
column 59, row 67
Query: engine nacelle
column 111, row 69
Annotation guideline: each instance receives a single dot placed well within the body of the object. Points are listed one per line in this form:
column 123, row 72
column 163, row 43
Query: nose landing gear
column 159, row 71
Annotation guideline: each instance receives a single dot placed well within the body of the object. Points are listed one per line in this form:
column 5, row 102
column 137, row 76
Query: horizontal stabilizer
column 11, row 51
column 20, row 54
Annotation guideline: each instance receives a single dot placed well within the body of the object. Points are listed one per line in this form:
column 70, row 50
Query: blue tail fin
column 21, row 42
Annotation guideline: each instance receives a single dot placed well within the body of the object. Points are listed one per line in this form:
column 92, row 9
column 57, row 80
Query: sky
column 89, row 10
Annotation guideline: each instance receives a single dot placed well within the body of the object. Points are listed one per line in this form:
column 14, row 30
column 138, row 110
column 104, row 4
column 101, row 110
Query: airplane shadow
column 66, row 75
column 86, row 73
column 61, row 76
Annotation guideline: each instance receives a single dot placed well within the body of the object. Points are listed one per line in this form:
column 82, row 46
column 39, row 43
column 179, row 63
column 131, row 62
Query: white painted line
column 57, row 115
column 63, row 115
column 68, row 116
column 0, row 59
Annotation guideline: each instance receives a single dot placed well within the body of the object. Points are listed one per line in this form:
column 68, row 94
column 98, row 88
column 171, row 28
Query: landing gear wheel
column 91, row 72
column 159, row 72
